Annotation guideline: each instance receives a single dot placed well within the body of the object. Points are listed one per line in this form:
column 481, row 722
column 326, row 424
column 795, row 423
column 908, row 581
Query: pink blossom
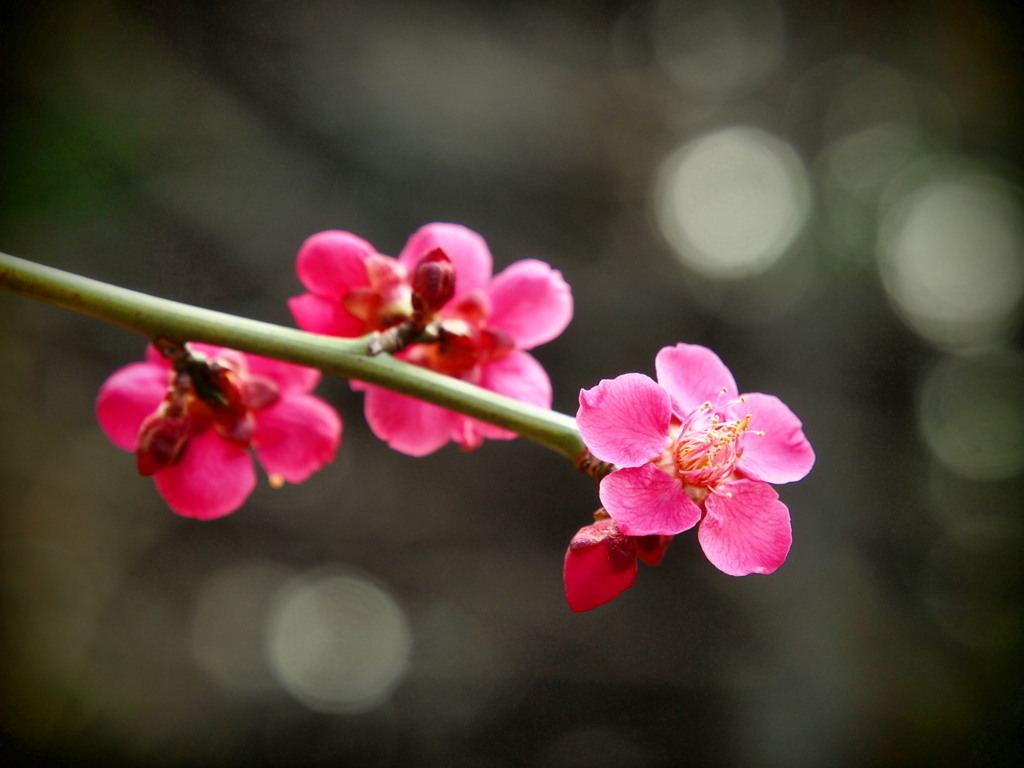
column 689, row 451
column 601, row 562
column 193, row 432
column 485, row 328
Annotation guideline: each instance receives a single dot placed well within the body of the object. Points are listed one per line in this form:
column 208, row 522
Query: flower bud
column 600, row 565
column 163, row 438
column 433, row 282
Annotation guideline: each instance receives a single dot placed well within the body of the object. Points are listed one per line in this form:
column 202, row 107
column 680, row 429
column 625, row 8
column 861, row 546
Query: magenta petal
column 782, row 454
column 467, row 250
column 213, row 478
column 153, row 355
column 127, row 397
column 332, row 263
column 747, row 531
column 645, row 500
column 531, row 302
column 296, row 436
column 318, row 315
column 469, row 433
column 693, row 375
column 288, row 376
column 592, row 575
column 625, row 420
column 408, row 425
column 517, row 375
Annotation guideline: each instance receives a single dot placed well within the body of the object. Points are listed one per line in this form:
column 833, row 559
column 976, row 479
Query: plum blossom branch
column 155, row 317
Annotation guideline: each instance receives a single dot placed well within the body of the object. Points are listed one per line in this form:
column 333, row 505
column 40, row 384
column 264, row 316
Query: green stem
column 154, row 317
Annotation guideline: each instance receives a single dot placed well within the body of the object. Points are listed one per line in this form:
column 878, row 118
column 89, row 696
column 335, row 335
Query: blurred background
column 825, row 193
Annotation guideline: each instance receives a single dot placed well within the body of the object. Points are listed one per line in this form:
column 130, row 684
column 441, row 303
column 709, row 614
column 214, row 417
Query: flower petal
column 127, row 397
column 625, row 420
column 645, row 500
column 296, row 436
column 531, row 302
column 287, row 376
column 600, row 564
column 783, row 454
column 466, row 249
column 319, row 315
column 747, row 531
column 408, row 425
column 693, row 375
column 517, row 375
column 332, row 263
column 213, row 478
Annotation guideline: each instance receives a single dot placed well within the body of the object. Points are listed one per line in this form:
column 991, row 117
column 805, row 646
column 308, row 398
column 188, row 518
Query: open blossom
column 601, row 562
column 690, row 450
column 192, row 428
column 483, row 330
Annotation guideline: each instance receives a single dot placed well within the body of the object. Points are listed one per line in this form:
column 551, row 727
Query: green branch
column 154, row 317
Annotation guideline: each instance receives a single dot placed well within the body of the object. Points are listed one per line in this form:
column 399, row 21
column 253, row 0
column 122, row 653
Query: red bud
column 163, row 438
column 433, row 282
column 600, row 565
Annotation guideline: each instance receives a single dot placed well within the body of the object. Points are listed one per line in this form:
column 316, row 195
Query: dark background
column 824, row 193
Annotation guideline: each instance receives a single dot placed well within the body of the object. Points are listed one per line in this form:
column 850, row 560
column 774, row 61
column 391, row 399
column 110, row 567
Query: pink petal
column 531, row 302
column 408, row 425
column 318, row 315
column 466, row 249
column 126, row 398
column 214, row 352
column 782, row 454
column 517, row 375
column 287, row 376
column 645, row 500
column 600, row 564
column 625, row 420
column 332, row 263
column 213, row 478
column 296, row 436
column 746, row 532
column 693, row 375
column 469, row 433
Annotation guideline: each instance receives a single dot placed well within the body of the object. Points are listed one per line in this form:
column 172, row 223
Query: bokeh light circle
column 732, row 202
column 338, row 642
column 951, row 255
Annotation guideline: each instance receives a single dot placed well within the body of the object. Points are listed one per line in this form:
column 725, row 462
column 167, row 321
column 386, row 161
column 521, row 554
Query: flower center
column 202, row 394
column 386, row 301
column 708, row 447
column 464, row 340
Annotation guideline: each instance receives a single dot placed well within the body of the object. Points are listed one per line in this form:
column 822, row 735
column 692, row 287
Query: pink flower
column 486, row 327
column 601, row 562
column 690, row 450
column 192, row 426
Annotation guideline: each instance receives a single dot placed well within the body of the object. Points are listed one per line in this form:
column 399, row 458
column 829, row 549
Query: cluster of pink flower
column 484, row 327
column 685, row 449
